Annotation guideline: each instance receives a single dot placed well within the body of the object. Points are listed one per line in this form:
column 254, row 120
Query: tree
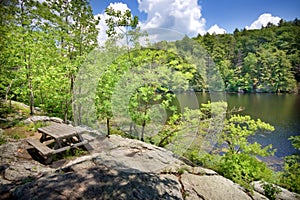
column 106, row 85
column 234, row 55
column 113, row 72
column 274, row 73
column 236, row 156
column 44, row 44
column 236, row 131
column 24, row 49
column 7, row 24
column 147, row 87
column 118, row 19
column 239, row 162
column 77, row 33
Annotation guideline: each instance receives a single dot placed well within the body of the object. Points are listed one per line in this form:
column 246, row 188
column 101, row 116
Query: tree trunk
column 29, row 78
column 8, row 90
column 68, row 102
column 131, row 126
column 108, row 126
column 143, row 130
column 31, row 97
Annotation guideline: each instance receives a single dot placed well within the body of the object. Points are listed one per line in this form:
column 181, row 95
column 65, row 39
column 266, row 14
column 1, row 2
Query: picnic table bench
column 64, row 137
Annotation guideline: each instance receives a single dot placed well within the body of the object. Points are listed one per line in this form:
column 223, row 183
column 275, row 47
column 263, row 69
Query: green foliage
column 34, row 126
column 116, row 131
column 271, row 190
column 119, row 19
column 290, row 177
column 28, row 179
column 43, row 48
column 265, row 60
column 147, row 76
column 167, row 134
column 5, row 109
column 239, row 162
column 295, row 141
column 236, row 132
column 181, row 170
column 3, row 139
column 15, row 136
column 243, row 169
column 70, row 154
column 208, row 160
column 236, row 158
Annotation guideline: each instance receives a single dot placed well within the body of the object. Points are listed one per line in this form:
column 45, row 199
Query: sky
column 193, row 17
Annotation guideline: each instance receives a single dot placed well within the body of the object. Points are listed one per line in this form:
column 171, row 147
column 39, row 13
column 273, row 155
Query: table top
column 58, row 131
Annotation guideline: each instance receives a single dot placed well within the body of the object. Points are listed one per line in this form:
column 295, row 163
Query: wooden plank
column 45, row 150
column 88, row 137
column 60, row 130
column 57, row 130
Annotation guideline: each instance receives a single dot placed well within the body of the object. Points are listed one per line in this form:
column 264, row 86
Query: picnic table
column 63, row 137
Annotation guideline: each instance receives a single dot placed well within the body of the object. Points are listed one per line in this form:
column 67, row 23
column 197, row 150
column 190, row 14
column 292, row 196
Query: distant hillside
column 265, row 60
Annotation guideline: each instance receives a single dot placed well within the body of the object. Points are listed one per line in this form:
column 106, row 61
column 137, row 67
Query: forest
column 43, row 46
column 265, row 60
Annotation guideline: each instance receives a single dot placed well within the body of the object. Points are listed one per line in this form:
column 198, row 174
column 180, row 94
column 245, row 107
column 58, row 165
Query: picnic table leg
column 87, row 146
column 43, row 138
column 57, row 144
column 48, row 160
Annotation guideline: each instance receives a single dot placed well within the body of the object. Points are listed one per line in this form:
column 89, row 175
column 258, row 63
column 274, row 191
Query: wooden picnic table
column 64, row 137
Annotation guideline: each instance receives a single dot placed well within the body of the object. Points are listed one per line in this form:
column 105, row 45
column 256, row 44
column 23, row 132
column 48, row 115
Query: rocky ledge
column 116, row 168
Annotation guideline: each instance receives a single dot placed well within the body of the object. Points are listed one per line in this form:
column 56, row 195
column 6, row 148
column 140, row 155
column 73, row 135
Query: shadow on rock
column 100, row 183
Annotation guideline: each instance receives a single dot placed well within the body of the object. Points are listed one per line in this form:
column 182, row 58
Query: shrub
column 3, row 139
column 244, row 169
column 290, row 177
column 271, row 190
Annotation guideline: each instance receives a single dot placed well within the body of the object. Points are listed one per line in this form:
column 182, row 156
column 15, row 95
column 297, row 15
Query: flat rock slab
column 17, row 167
column 116, row 168
column 133, row 155
column 211, row 187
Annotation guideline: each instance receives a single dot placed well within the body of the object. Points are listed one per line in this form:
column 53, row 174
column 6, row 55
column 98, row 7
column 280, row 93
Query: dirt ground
column 21, row 132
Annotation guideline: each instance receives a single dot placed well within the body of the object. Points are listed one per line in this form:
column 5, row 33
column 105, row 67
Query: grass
column 21, row 131
column 11, row 107
column 3, row 139
column 123, row 134
column 16, row 132
column 12, row 113
column 28, row 179
column 70, row 154
column 34, row 126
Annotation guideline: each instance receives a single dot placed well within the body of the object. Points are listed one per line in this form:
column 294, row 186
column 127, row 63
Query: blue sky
column 200, row 16
column 231, row 14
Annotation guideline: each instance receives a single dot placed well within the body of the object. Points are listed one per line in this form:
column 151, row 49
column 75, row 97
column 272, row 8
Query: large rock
column 120, row 168
column 282, row 195
column 37, row 118
column 17, row 167
column 132, row 155
column 101, row 183
column 204, row 187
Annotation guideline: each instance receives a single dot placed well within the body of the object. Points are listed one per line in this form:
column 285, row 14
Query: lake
column 280, row 110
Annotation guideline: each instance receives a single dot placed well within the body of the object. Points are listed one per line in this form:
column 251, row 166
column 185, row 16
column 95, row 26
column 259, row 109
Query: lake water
column 280, row 110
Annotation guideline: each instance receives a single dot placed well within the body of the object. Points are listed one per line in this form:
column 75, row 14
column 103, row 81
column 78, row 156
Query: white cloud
column 102, row 37
column 215, row 29
column 263, row 20
column 182, row 16
column 166, row 19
